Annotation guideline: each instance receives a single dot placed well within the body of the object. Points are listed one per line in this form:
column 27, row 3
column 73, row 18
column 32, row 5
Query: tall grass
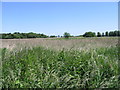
column 43, row 68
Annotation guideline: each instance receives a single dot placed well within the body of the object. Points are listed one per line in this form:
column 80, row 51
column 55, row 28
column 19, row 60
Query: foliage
column 113, row 33
column 66, row 35
column 17, row 35
column 43, row 68
column 89, row 34
column 106, row 33
column 103, row 35
column 52, row 36
column 98, row 34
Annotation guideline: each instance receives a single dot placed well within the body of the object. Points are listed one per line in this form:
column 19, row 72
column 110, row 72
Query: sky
column 55, row 18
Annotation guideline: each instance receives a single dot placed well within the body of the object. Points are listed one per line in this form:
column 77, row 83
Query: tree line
column 98, row 34
column 18, row 35
column 106, row 34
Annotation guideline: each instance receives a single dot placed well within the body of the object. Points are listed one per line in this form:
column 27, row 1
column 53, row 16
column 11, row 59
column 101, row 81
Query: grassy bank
column 44, row 68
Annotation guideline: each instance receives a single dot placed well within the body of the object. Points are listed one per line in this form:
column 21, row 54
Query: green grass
column 43, row 68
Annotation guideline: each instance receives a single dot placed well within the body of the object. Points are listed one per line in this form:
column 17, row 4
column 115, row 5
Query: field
column 60, row 63
column 60, row 43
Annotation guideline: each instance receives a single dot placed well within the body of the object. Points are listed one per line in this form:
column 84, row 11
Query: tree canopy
column 89, row 34
column 67, row 35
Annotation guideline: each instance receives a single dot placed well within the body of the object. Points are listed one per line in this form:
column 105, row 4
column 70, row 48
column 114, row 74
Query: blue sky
column 55, row 18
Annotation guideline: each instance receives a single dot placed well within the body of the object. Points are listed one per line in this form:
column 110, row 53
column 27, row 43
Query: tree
column 58, row 36
column 98, row 34
column 116, row 33
column 43, row 36
column 89, row 34
column 22, row 35
column 0, row 36
column 111, row 33
column 106, row 33
column 66, row 35
column 9, row 36
column 102, row 34
column 16, row 36
column 53, row 36
column 16, row 33
column 31, row 35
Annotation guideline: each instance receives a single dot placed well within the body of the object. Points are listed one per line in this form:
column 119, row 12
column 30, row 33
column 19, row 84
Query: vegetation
column 52, row 36
column 43, row 68
column 67, row 35
column 89, row 34
column 18, row 35
column 106, row 33
column 103, row 35
column 111, row 33
column 99, row 34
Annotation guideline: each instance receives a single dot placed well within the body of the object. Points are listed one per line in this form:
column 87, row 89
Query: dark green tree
column 98, row 34
column 89, row 34
column 103, row 34
column 66, row 35
column 118, row 33
column 111, row 33
column 52, row 36
column 106, row 33
column 9, row 36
